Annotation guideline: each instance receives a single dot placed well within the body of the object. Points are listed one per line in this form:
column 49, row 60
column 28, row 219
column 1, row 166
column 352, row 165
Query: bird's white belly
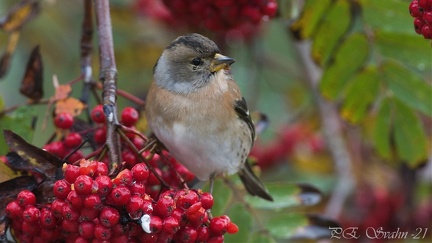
column 201, row 153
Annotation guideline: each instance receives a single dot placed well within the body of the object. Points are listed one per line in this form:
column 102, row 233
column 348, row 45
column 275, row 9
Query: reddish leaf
column 19, row 14
column 31, row 85
column 69, row 105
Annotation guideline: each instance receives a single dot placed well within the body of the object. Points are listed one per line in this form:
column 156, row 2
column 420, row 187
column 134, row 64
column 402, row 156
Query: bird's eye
column 196, row 61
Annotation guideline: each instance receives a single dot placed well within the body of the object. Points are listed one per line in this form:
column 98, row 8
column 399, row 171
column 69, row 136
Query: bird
column 196, row 110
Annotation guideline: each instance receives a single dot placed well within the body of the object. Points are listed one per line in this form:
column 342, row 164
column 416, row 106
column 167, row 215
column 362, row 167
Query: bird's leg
column 212, row 178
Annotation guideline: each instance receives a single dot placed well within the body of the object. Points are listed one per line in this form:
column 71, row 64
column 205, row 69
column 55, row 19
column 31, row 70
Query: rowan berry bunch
column 136, row 204
column 89, row 206
column 421, row 10
column 232, row 18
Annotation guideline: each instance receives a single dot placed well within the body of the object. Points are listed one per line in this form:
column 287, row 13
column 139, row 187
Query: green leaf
column 260, row 237
column 299, row 226
column 348, row 59
column 1, row 103
column 287, row 195
column 242, row 218
column 408, row 87
column 361, row 91
column 410, row 138
column 20, row 122
column 379, row 15
column 313, row 12
column 411, row 50
column 334, row 25
column 382, row 129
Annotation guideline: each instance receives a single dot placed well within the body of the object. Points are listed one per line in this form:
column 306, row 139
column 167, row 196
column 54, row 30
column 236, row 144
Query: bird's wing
column 242, row 112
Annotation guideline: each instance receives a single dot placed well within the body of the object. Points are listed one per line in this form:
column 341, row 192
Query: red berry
column 155, row 224
column 57, row 207
column 147, row 207
column 57, row 148
column 31, row 214
column 186, row 198
column 100, row 135
column 120, row 239
column 203, row 233
column 197, row 216
column 93, row 201
column 427, row 32
column 170, row 225
column 216, row 239
column 76, row 156
column 88, row 167
column 207, row 200
column 14, row 210
column 71, row 172
column 129, row 158
column 140, row 172
column 64, row 120
column 414, row 9
column 86, row 229
column 109, row 217
column 129, row 116
column 418, row 25
column 104, row 184
column 427, row 17
column 73, row 140
column 30, row 228
column 123, row 178
column 120, row 196
column 25, row 198
column 134, row 207
column 232, row 228
column 83, row 185
column 97, row 114
column 75, row 200
column 164, row 206
column 187, row 234
column 70, row 213
column 50, row 235
column 218, row 225
column 102, row 232
column 137, row 188
column 87, row 214
column 48, row 219
column 61, row 189
column 70, row 226
column 184, row 173
column 270, row 8
column 102, row 169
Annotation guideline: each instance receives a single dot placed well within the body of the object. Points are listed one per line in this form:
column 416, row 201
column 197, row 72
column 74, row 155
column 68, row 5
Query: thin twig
column 331, row 126
column 108, row 76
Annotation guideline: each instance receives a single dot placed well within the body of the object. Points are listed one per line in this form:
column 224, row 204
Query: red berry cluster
column 233, row 18
column 71, row 140
column 89, row 206
column 421, row 10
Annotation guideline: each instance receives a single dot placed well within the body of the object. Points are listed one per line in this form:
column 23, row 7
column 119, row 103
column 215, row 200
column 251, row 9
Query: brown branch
column 126, row 95
column 333, row 134
column 108, row 76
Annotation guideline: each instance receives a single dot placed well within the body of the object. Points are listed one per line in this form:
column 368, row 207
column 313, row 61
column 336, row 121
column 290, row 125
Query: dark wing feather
column 242, row 111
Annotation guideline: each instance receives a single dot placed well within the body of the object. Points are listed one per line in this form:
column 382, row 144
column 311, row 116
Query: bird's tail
column 252, row 183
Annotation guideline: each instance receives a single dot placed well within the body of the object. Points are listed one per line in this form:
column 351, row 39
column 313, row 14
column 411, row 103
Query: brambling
column 195, row 108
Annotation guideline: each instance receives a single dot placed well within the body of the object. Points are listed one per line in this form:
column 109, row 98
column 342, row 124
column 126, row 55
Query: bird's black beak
column 220, row 62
